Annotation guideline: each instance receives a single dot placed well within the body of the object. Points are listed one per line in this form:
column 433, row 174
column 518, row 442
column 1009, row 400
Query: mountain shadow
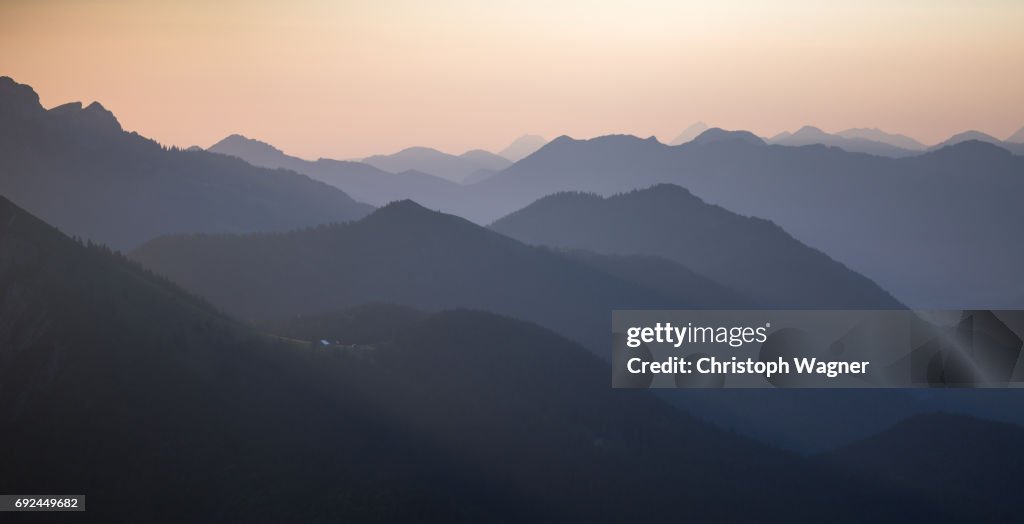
column 77, row 169
column 752, row 256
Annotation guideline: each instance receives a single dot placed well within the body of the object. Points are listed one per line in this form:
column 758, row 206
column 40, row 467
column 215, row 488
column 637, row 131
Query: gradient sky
column 347, row 79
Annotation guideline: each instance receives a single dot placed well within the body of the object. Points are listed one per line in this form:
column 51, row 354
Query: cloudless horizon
column 351, row 79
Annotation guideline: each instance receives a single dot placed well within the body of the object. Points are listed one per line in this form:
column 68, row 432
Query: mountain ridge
column 79, row 170
column 753, row 256
column 433, row 162
column 363, row 181
column 405, row 254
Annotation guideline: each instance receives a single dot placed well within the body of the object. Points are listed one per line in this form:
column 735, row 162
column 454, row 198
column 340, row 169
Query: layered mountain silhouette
column 870, row 141
column 118, row 384
column 522, row 147
column 1009, row 145
column 874, row 141
column 877, row 135
column 935, row 229
column 692, row 131
column 406, row 254
column 1016, row 138
column 76, row 168
column 747, row 254
column 717, row 135
column 362, row 181
column 433, row 162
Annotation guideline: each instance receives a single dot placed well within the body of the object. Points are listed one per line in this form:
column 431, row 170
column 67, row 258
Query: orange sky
column 347, row 79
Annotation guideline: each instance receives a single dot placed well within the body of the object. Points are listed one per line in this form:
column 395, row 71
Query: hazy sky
column 347, row 79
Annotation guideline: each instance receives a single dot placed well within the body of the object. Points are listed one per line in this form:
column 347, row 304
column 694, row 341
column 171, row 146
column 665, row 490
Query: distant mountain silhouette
column 433, row 162
column 485, row 159
column 752, row 256
column 715, row 134
column 522, row 147
column 1016, row 138
column 688, row 134
column 870, row 141
column 914, row 225
column 77, row 169
column 363, row 181
column 966, row 136
column 405, row 254
column 877, row 135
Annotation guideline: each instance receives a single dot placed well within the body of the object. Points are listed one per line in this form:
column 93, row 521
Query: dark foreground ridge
column 118, row 385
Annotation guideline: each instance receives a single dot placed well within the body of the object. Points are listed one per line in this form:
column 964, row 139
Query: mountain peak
column 405, row 205
column 94, row 116
column 18, row 99
column 65, row 109
column 231, row 143
column 411, row 218
column 716, row 134
column 809, row 131
column 522, row 147
column 967, row 136
column 405, row 210
column 971, row 148
column 101, row 117
column 1016, row 138
column 692, row 131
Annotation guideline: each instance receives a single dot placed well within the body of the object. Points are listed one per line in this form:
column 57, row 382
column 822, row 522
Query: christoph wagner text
column 734, row 366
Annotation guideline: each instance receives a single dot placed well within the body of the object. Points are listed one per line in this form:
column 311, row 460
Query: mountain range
column 453, row 416
column 76, row 168
column 1010, row 144
column 522, row 147
column 692, row 131
column 325, row 361
column 404, row 254
column 908, row 208
column 364, row 182
column 874, row 141
column 403, row 415
column 471, row 165
column 935, row 229
column 749, row 254
column 870, row 141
